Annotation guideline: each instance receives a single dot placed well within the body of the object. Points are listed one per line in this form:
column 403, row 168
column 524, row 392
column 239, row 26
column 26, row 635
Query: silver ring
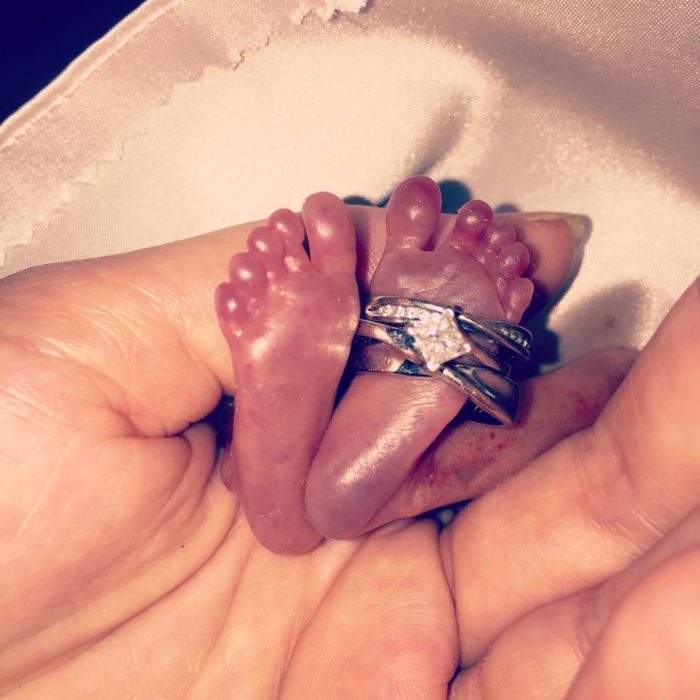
column 470, row 352
column 402, row 310
column 492, row 391
column 411, row 337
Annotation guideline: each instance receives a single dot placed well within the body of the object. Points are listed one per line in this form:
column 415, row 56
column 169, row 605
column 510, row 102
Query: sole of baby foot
column 385, row 422
column 289, row 318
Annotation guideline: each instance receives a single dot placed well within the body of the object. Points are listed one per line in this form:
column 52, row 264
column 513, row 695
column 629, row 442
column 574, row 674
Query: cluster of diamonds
column 516, row 337
column 436, row 335
column 402, row 312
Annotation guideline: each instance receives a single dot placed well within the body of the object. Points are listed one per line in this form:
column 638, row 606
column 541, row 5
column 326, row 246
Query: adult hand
column 591, row 554
column 128, row 570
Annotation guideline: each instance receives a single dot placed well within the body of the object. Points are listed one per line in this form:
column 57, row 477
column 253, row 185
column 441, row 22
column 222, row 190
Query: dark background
column 39, row 38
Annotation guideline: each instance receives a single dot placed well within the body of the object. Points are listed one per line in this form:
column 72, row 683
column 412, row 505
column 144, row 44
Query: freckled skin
column 469, row 459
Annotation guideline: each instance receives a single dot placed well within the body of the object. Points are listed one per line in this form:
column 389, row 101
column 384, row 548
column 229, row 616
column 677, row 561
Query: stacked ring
column 423, row 339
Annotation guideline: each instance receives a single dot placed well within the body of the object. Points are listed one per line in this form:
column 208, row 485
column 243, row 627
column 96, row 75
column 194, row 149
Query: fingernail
column 578, row 225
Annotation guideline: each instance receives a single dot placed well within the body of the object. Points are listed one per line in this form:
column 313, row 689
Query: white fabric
column 195, row 114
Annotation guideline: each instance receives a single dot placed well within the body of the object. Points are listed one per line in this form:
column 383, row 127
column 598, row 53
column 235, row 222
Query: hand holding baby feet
column 473, row 261
column 289, row 319
column 385, row 422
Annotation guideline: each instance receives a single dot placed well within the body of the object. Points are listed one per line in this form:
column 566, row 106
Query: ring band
column 492, row 391
column 400, row 310
column 408, row 336
column 403, row 342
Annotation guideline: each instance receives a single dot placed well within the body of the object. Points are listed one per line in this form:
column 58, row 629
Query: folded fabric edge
column 78, row 70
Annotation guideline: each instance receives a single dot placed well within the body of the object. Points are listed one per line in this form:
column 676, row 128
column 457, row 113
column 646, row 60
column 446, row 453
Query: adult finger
column 469, row 459
column 545, row 648
column 655, row 629
column 588, row 507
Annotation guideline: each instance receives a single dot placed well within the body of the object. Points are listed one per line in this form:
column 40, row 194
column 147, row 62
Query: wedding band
column 407, row 336
column 492, row 391
column 401, row 310
column 471, row 352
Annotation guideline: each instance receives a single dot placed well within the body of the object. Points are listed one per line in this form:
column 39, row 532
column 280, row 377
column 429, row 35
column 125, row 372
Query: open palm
column 128, row 569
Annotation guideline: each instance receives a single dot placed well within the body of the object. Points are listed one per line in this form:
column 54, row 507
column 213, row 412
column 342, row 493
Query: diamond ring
column 413, row 337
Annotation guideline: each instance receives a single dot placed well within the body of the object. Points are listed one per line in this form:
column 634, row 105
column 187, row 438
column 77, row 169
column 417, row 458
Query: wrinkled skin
column 129, row 572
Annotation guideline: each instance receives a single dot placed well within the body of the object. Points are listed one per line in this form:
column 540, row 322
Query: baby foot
column 385, row 422
column 289, row 319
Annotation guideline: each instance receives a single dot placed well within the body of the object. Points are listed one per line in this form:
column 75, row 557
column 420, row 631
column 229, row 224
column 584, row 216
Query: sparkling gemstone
column 437, row 337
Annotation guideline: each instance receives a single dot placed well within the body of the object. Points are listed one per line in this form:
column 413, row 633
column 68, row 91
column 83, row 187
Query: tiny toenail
column 476, row 214
column 500, row 234
column 473, row 220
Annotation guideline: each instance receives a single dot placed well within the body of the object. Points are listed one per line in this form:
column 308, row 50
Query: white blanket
column 195, row 114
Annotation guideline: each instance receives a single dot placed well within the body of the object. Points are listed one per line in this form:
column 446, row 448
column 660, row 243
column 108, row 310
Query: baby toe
column 497, row 235
column 247, row 274
column 512, row 261
column 331, row 234
column 412, row 214
column 230, row 310
column 516, row 297
column 470, row 224
column 291, row 229
column 268, row 245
